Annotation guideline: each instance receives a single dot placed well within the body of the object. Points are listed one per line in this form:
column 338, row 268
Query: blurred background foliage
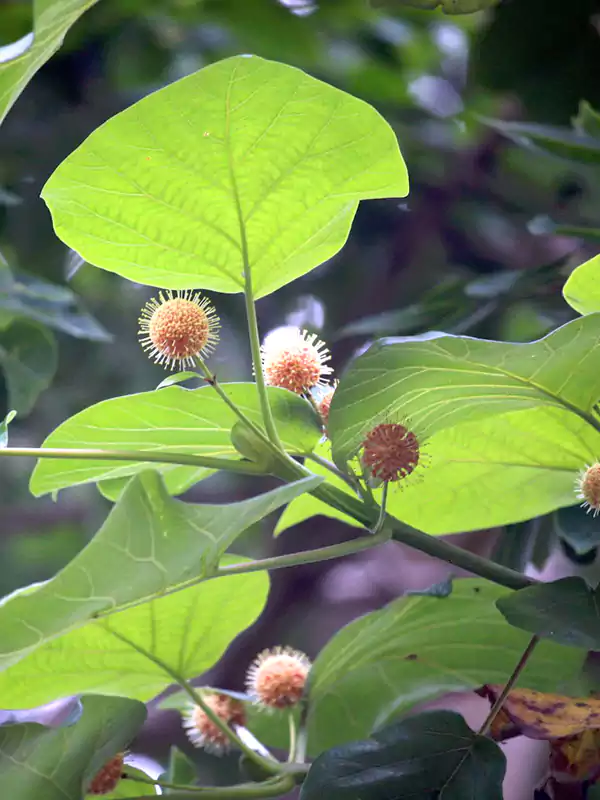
column 487, row 109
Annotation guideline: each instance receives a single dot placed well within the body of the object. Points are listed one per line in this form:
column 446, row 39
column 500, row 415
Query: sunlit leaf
column 437, row 381
column 415, row 649
column 172, row 420
column 149, row 543
column 21, row 60
column 431, row 755
column 59, row 763
column 129, row 788
column 246, row 158
column 582, row 289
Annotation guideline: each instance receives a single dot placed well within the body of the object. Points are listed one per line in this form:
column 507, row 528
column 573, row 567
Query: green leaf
column 58, row 307
column 418, row 648
column 21, row 60
column 172, row 420
column 566, row 611
column 431, row 756
column 58, row 763
column 582, row 289
column 149, row 543
column 447, row 6
column 129, row 788
column 579, row 529
column 437, row 381
column 562, row 142
column 188, row 631
column 4, row 428
column 498, row 471
column 181, row 770
column 245, row 158
column 587, row 120
column 28, row 356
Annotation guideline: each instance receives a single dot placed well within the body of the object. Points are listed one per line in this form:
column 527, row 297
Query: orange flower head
column 276, row 678
column 178, row 328
column 107, row 779
column 588, row 488
column 202, row 731
column 390, row 452
column 324, row 404
column 295, row 360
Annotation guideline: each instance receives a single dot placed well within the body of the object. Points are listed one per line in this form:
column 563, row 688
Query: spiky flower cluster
column 178, row 328
column 588, row 488
column 295, row 360
column 324, row 403
column 390, row 452
column 276, row 678
column 203, row 732
column 106, row 780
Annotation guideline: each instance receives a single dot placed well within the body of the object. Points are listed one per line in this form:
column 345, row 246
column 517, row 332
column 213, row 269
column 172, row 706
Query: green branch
column 271, row 788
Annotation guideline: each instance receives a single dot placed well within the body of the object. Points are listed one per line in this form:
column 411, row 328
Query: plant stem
column 210, row 462
column 293, row 740
column 496, row 708
column 275, row 788
column 323, row 462
column 270, row 765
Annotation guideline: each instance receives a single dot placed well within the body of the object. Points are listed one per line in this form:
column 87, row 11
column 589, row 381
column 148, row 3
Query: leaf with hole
column 59, row 763
column 149, row 543
column 19, row 61
column 246, row 165
column 566, row 611
column 432, row 756
column 418, row 648
column 437, row 381
column 171, row 420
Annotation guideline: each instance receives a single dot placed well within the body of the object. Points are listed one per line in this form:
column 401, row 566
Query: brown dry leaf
column 542, row 716
column 576, row 758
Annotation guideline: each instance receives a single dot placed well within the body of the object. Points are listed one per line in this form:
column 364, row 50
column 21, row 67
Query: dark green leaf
column 513, row 545
column 20, row 61
column 148, row 543
column 566, row 611
column 28, row 356
column 265, row 166
column 562, row 142
column 181, row 770
column 174, row 420
column 579, row 529
column 447, row 6
column 39, row 763
column 418, row 648
column 433, row 756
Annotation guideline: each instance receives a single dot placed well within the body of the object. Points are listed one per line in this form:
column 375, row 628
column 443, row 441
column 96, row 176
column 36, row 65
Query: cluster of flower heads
column 275, row 680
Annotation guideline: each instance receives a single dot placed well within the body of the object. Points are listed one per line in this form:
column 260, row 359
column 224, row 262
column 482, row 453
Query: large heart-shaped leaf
column 481, row 474
column 437, row 381
column 21, row 60
column 582, row 289
column 188, row 631
column 171, row 420
column 59, row 763
column 415, row 649
column 149, row 543
column 431, row 756
column 246, row 164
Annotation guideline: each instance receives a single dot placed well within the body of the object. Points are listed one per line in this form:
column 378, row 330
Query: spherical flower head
column 390, row 451
column 588, row 488
column 107, row 779
column 295, row 360
column 178, row 328
column 202, row 731
column 277, row 677
column 324, row 404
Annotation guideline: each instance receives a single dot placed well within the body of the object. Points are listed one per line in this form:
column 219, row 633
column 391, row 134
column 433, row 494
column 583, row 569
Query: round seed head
column 277, row 677
column 390, row 451
column 107, row 779
column 175, row 329
column 295, row 360
column 202, row 731
column 588, row 488
column 324, row 403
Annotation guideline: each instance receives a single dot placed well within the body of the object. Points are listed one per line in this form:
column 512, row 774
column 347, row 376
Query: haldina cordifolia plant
column 239, row 179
